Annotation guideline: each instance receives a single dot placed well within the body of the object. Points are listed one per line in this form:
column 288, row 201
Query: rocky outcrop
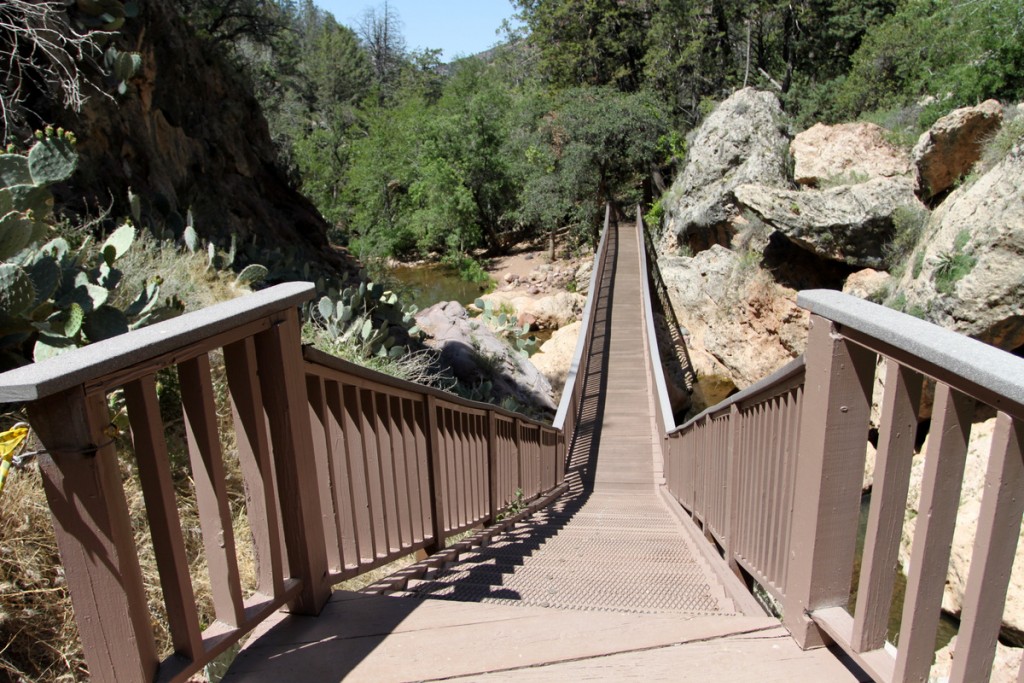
column 845, row 154
column 554, row 358
column 740, row 323
column 967, row 272
column 851, row 223
column 948, row 150
column 867, row 284
column 742, row 141
column 475, row 355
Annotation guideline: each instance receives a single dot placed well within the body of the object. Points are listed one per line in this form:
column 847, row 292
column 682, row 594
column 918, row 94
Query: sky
column 457, row 27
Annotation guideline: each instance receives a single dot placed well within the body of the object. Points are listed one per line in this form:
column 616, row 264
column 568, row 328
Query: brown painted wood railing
column 344, row 470
column 773, row 476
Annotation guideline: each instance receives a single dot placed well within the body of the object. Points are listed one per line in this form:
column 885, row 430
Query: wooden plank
column 415, row 460
column 995, row 548
column 253, row 444
column 83, row 488
column 279, row 358
column 838, row 624
column 162, row 513
column 204, row 450
column 897, row 430
column 830, row 467
column 933, row 533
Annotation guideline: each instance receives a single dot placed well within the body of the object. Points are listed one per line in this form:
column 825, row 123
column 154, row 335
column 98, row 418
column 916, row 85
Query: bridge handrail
column 773, row 476
column 395, row 466
column 571, row 392
column 663, row 409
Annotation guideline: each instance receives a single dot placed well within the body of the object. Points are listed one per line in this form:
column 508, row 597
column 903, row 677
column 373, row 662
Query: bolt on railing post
column 435, row 477
column 83, row 487
column 283, row 386
column 829, row 472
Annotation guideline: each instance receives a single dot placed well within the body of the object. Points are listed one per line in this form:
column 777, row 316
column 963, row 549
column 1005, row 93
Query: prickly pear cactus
column 54, row 298
column 369, row 318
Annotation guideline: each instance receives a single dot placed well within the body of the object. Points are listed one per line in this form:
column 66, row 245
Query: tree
column 381, row 32
column 588, row 42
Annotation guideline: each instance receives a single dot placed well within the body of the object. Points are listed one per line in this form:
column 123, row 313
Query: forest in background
column 409, row 158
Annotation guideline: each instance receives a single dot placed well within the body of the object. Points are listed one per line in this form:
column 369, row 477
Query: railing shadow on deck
column 773, row 477
column 581, row 460
column 344, row 470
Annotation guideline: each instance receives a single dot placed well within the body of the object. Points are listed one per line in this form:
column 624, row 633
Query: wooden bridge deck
column 608, row 583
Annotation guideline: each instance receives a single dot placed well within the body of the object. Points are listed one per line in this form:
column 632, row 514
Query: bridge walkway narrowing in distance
column 607, row 583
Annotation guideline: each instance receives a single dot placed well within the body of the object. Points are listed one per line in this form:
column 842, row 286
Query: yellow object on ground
column 9, row 443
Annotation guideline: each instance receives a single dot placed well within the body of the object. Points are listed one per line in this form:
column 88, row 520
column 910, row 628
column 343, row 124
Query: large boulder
column 555, row 355
column 948, row 150
column 967, row 273
column 867, row 284
column 845, row 154
column 476, row 355
column 850, row 223
column 741, row 141
column 541, row 313
column 740, row 323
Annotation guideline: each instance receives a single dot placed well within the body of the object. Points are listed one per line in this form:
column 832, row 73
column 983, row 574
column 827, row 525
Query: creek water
column 425, row 285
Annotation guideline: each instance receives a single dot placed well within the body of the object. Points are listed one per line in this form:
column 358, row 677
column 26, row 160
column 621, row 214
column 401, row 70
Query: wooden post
column 94, row 535
column 283, row 385
column 435, row 476
column 830, row 465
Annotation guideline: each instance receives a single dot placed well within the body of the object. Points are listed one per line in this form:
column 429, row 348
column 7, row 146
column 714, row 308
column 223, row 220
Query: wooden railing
column 773, row 476
column 344, row 469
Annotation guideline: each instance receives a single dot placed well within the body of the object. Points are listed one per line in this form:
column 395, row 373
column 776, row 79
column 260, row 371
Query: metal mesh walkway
column 609, row 543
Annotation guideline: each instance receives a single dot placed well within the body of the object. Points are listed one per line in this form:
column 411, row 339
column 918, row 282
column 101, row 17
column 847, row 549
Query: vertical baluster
column 386, row 462
column 777, row 413
column 933, row 534
column 83, row 488
column 520, row 458
column 162, row 511
column 322, row 458
column 834, row 427
column 403, row 492
column 435, row 471
column 413, row 458
column 211, row 491
column 896, row 433
column 362, row 508
column 253, row 445
column 374, row 478
column 341, row 467
column 493, row 469
column 281, row 370
column 995, row 547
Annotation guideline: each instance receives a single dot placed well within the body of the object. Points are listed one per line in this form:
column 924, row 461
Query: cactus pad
column 251, row 274
column 17, row 293
column 118, row 244
column 14, row 170
column 15, row 233
column 52, row 160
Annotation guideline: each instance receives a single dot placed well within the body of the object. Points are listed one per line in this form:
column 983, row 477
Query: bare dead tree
column 39, row 45
column 381, row 32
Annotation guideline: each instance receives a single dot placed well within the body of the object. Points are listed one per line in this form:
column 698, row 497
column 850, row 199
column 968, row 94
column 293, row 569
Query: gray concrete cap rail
column 961, row 356
column 85, row 364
